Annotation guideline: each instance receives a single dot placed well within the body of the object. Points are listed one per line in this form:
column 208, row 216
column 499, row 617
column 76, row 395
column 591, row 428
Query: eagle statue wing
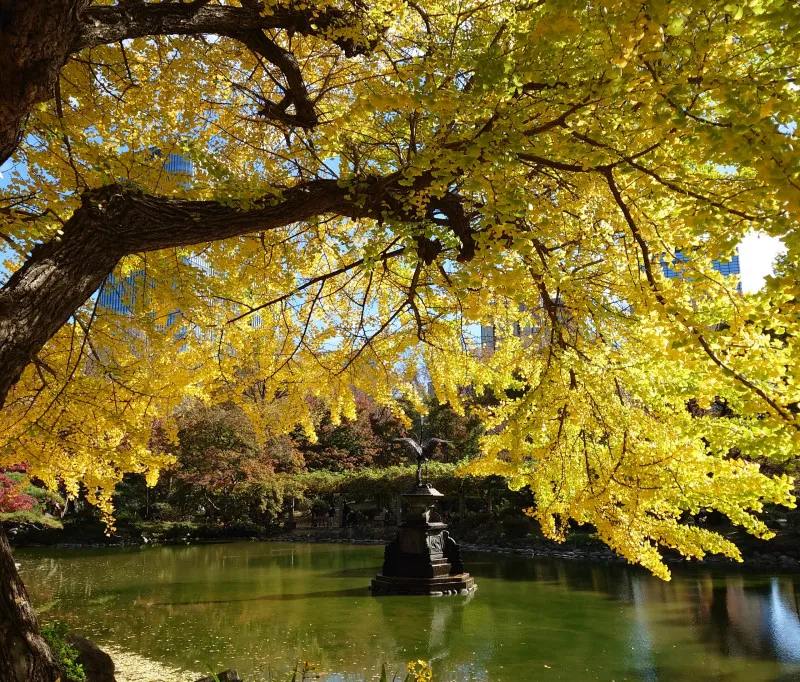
column 431, row 444
column 411, row 443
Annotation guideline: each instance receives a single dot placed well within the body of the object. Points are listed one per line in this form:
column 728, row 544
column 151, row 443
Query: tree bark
column 35, row 38
column 35, row 302
column 106, row 24
column 24, row 655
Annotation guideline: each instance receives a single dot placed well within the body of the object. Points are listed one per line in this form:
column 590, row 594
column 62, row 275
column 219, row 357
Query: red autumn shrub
column 11, row 498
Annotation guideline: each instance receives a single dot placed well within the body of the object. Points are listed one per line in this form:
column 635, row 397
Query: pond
column 261, row 607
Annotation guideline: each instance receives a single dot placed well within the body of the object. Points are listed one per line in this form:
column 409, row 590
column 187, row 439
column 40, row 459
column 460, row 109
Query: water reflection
column 260, row 608
column 783, row 621
column 751, row 621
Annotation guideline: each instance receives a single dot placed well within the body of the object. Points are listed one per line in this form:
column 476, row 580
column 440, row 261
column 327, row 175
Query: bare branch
column 316, row 280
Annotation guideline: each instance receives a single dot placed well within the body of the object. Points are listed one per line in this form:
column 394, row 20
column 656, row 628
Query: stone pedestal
column 423, row 558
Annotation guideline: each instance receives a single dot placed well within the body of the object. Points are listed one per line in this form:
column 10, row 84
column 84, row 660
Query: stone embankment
column 538, row 548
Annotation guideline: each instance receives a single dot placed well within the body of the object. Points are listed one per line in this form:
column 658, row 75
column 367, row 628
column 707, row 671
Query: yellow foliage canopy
column 526, row 164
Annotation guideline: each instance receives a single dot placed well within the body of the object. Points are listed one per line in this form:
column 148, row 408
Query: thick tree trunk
column 36, row 37
column 24, row 655
column 40, row 297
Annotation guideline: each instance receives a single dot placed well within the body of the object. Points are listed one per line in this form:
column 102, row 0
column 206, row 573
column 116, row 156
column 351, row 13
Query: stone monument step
column 461, row 584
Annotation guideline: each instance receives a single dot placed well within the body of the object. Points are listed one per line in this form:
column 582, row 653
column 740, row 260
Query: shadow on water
column 327, row 594
column 368, row 572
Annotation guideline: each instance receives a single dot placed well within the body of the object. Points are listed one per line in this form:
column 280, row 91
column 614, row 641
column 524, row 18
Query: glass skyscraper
column 728, row 268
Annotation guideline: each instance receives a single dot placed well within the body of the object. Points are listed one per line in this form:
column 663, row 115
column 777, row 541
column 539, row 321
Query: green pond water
column 260, row 607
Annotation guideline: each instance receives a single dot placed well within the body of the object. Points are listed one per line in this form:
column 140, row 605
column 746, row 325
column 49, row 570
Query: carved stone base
column 423, row 559
column 460, row 583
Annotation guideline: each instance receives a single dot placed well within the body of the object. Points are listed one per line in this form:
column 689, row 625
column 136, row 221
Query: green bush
column 164, row 511
column 167, row 530
column 30, row 517
column 55, row 634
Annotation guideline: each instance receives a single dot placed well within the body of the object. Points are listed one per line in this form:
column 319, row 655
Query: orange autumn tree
column 369, row 182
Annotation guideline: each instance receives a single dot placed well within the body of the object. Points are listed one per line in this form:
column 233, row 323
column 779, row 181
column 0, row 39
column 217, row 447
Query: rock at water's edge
column 97, row 664
column 227, row 676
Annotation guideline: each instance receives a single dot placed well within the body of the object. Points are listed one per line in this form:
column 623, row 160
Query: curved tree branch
column 38, row 36
column 296, row 92
column 114, row 221
column 103, row 25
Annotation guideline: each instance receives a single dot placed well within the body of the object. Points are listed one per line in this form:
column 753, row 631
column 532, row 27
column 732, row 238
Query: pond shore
column 132, row 667
column 784, row 557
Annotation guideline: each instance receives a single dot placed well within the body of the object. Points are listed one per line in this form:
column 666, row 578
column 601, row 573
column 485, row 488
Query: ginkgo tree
column 369, row 182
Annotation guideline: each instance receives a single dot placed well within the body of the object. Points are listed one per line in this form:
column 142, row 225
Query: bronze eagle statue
column 423, row 451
